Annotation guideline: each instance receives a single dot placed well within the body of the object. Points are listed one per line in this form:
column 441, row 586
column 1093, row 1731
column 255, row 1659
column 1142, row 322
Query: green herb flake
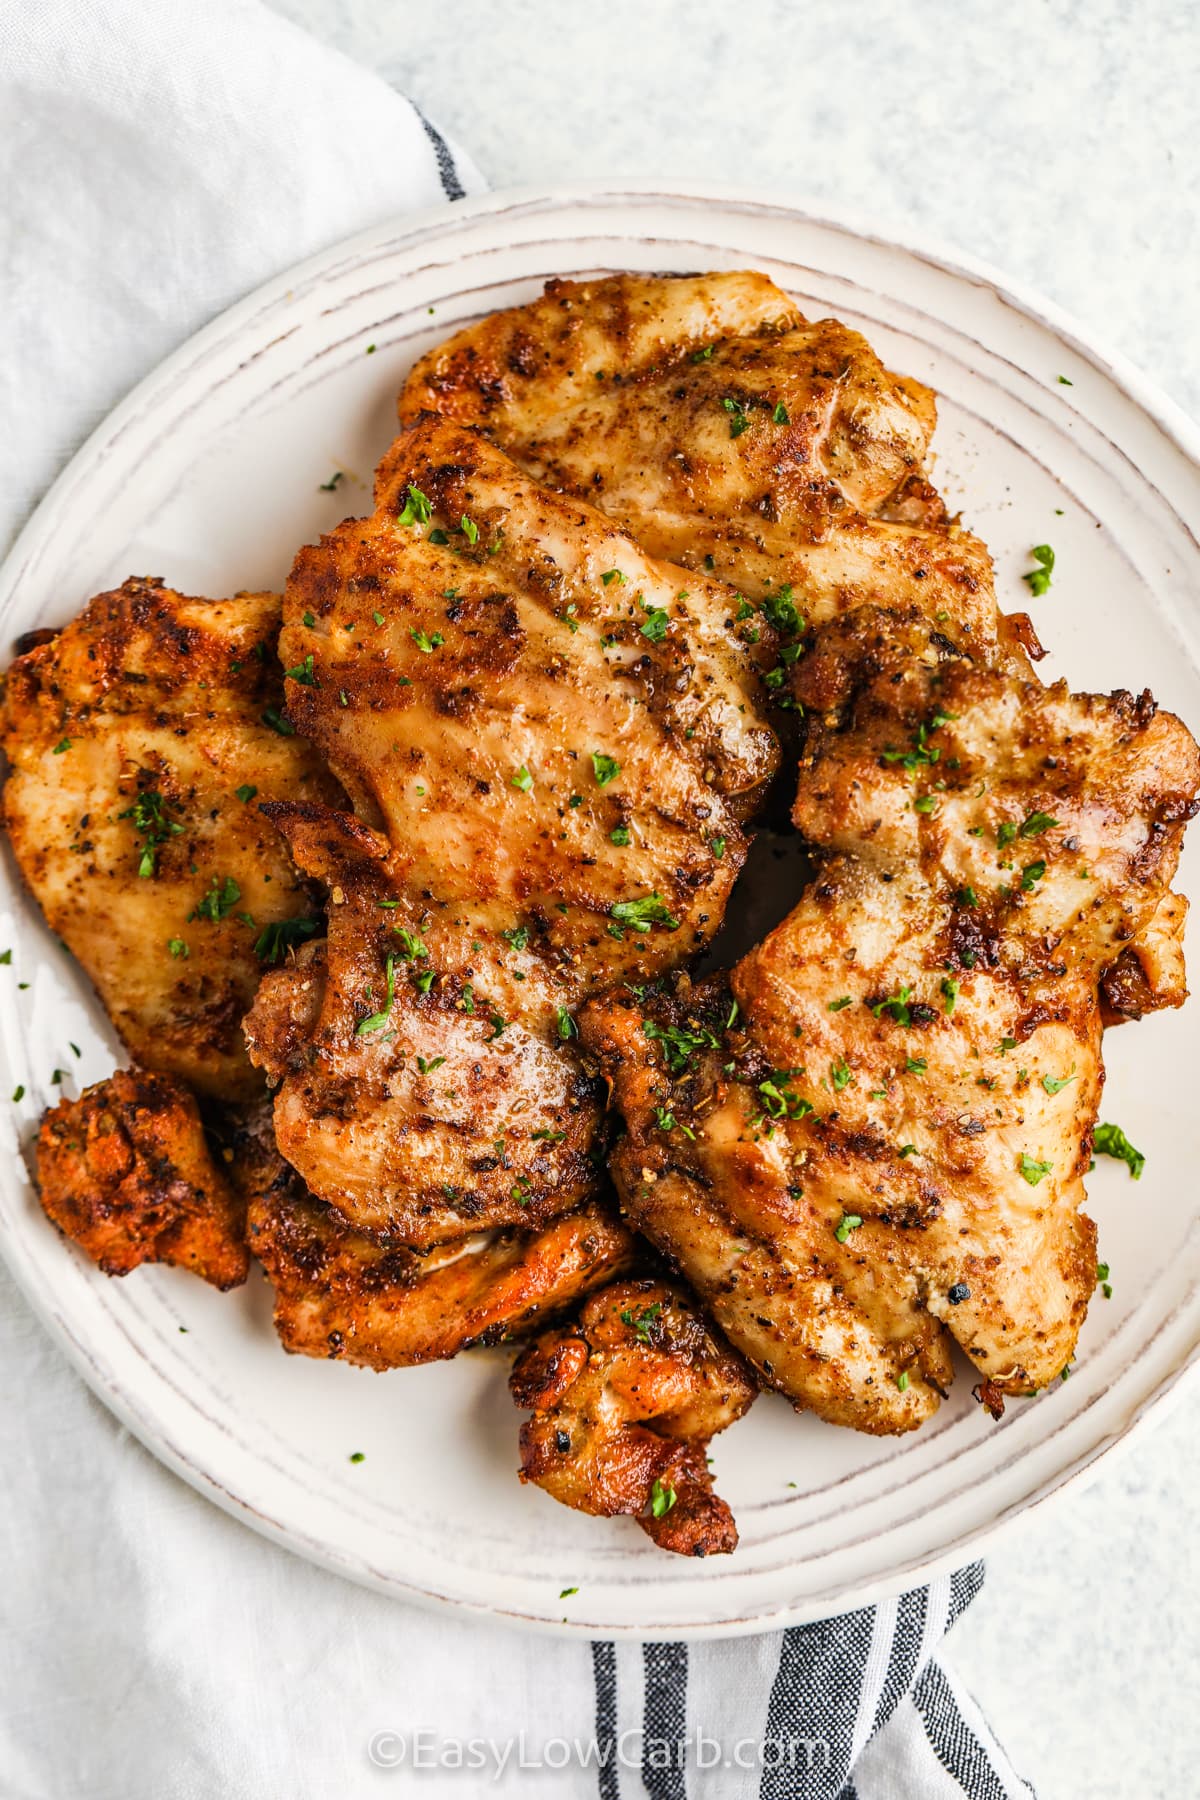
column 1032, row 1170
column 246, row 792
column 1031, row 874
column 604, row 768
column 303, row 673
column 1035, row 823
column 469, row 529
column 950, row 990
column 416, row 510
column 522, row 779
column 780, row 415
column 839, row 1005
column 849, row 1222
column 1038, row 579
column 178, row 948
column 641, row 914
column 426, row 644
column 619, row 835
column 1110, row 1140
column 219, row 902
column 1054, row 1084
column 379, row 1019
column 662, row 1498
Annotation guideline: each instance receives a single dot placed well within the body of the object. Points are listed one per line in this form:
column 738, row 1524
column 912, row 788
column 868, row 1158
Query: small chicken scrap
column 876, row 1129
column 625, row 1402
column 125, row 1171
column 138, row 739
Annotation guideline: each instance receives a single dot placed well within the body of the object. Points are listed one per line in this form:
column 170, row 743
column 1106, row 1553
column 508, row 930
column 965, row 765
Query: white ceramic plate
column 209, row 475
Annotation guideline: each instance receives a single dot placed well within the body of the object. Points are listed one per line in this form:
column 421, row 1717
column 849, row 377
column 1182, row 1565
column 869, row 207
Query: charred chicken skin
column 139, row 739
column 624, row 1404
column 879, row 1125
column 126, row 1173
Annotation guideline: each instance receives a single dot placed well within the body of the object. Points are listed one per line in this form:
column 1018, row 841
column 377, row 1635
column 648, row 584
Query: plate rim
column 1147, row 396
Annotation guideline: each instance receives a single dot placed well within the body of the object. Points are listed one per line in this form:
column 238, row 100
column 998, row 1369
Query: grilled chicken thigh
column 354, row 1298
column 139, row 738
column 423, row 1089
column 125, row 1171
column 880, row 1123
column 551, row 747
column 702, row 411
column 624, row 1405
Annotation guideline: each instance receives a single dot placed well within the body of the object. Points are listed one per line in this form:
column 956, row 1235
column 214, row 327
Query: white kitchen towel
column 159, row 159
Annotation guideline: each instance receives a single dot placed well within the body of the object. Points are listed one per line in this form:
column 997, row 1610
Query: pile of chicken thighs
column 398, row 891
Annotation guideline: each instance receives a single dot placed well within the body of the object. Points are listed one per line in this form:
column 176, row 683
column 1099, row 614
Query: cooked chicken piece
column 1149, row 973
column 699, row 410
column 423, row 1088
column 624, row 1404
column 125, row 1171
column 893, row 1127
column 138, row 738
column 556, row 738
column 341, row 1294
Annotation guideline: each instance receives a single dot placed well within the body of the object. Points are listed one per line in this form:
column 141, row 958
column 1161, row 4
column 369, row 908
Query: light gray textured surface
column 1056, row 140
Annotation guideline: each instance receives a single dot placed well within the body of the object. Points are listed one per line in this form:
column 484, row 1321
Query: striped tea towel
column 159, row 159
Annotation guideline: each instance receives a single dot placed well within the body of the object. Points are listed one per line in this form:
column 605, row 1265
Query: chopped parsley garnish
column 915, row 1065
column 782, row 611
column 950, row 989
column 416, row 509
column 275, row 719
column 738, row 420
column 1039, row 579
column 922, row 752
column 604, row 768
column 902, row 1381
column 425, row 644
column 640, row 915
column 926, row 803
column 246, row 792
column 1054, row 1084
column 662, row 1498
column 567, row 1028
column 780, row 1101
column 219, row 901
column 780, row 415
column 643, row 1320
column 497, row 1024
column 1102, row 1274
column 64, row 744
column 966, row 897
column 565, row 1593
column 679, row 1046
column 411, row 946
column 665, row 1119
column 178, row 948
column 378, row 1019
column 275, row 940
column 654, row 626
column 523, row 779
column 1034, row 825
column 427, row 1067
column 897, row 1005
column 469, row 529
column 699, row 356
column 718, row 847
column 849, row 1222
column 18, row 1092
column 1005, row 834
column 839, row 1074
column 518, row 937
column 619, row 835
column 1110, row 1140
column 327, row 487
column 1032, row 1170
column 837, row 1005
column 357, row 1456
column 1031, row 874
column 303, row 673
column 149, row 817
column 611, row 575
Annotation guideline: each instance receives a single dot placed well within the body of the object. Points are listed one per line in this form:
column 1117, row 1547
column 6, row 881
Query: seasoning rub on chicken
column 551, row 743
column 140, row 740
column 875, row 1131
